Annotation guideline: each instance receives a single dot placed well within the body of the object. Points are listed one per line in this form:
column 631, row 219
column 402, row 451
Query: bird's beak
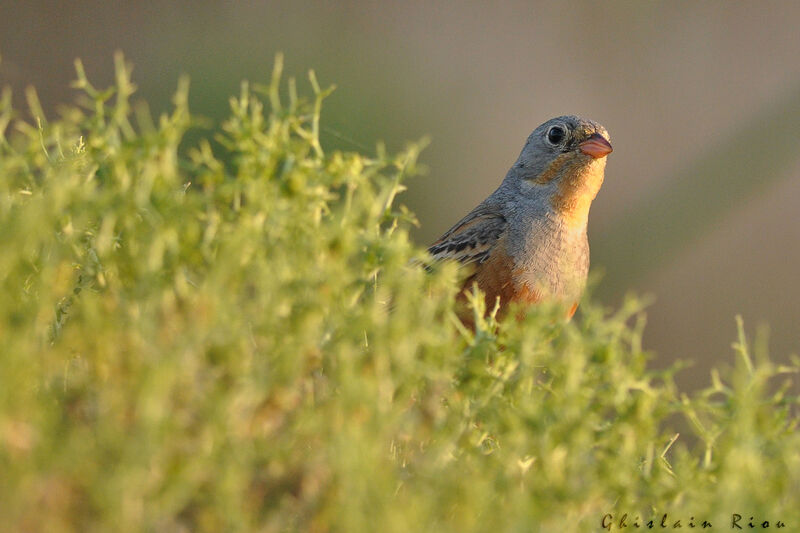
column 596, row 146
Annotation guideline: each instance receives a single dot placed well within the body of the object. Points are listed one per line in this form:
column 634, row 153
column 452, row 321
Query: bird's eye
column 556, row 134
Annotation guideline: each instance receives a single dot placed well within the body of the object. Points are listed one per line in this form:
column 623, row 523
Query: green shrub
column 239, row 336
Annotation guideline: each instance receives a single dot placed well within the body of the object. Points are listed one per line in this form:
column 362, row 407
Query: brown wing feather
column 472, row 238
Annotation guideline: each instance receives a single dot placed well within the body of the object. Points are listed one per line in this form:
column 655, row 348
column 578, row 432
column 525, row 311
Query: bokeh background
column 702, row 194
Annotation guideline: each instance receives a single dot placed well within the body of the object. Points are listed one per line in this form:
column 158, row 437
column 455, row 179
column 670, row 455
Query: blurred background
column 702, row 194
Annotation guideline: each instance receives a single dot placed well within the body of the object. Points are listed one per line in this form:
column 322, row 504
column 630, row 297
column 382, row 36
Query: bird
column 527, row 242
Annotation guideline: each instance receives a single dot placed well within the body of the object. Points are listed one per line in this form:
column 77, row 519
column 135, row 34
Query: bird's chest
column 552, row 261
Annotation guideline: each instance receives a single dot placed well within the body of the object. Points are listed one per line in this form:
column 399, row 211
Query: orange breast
column 496, row 278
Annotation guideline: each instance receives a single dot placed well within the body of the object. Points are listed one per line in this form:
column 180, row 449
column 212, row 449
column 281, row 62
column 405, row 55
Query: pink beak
column 596, row 146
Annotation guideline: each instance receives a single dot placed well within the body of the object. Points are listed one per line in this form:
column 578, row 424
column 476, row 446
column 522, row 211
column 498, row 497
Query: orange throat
column 576, row 190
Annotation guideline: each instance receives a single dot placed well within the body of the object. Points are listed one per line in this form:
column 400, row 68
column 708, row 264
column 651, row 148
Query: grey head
column 558, row 173
column 571, row 141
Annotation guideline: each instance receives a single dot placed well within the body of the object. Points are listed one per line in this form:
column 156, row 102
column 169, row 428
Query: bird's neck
column 575, row 192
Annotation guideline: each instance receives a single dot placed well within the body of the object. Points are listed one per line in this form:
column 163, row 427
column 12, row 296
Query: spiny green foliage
column 242, row 339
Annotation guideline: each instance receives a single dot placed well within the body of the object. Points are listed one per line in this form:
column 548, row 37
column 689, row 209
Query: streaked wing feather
column 472, row 238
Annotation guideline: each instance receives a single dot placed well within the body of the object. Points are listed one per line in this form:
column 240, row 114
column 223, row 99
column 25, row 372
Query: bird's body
column 527, row 241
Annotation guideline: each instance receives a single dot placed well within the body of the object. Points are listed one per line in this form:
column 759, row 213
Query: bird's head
column 563, row 163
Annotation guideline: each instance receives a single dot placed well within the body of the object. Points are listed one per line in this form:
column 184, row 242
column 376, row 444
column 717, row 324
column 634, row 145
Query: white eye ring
column 556, row 134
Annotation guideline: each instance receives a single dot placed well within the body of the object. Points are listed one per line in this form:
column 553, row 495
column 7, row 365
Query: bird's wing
column 473, row 237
